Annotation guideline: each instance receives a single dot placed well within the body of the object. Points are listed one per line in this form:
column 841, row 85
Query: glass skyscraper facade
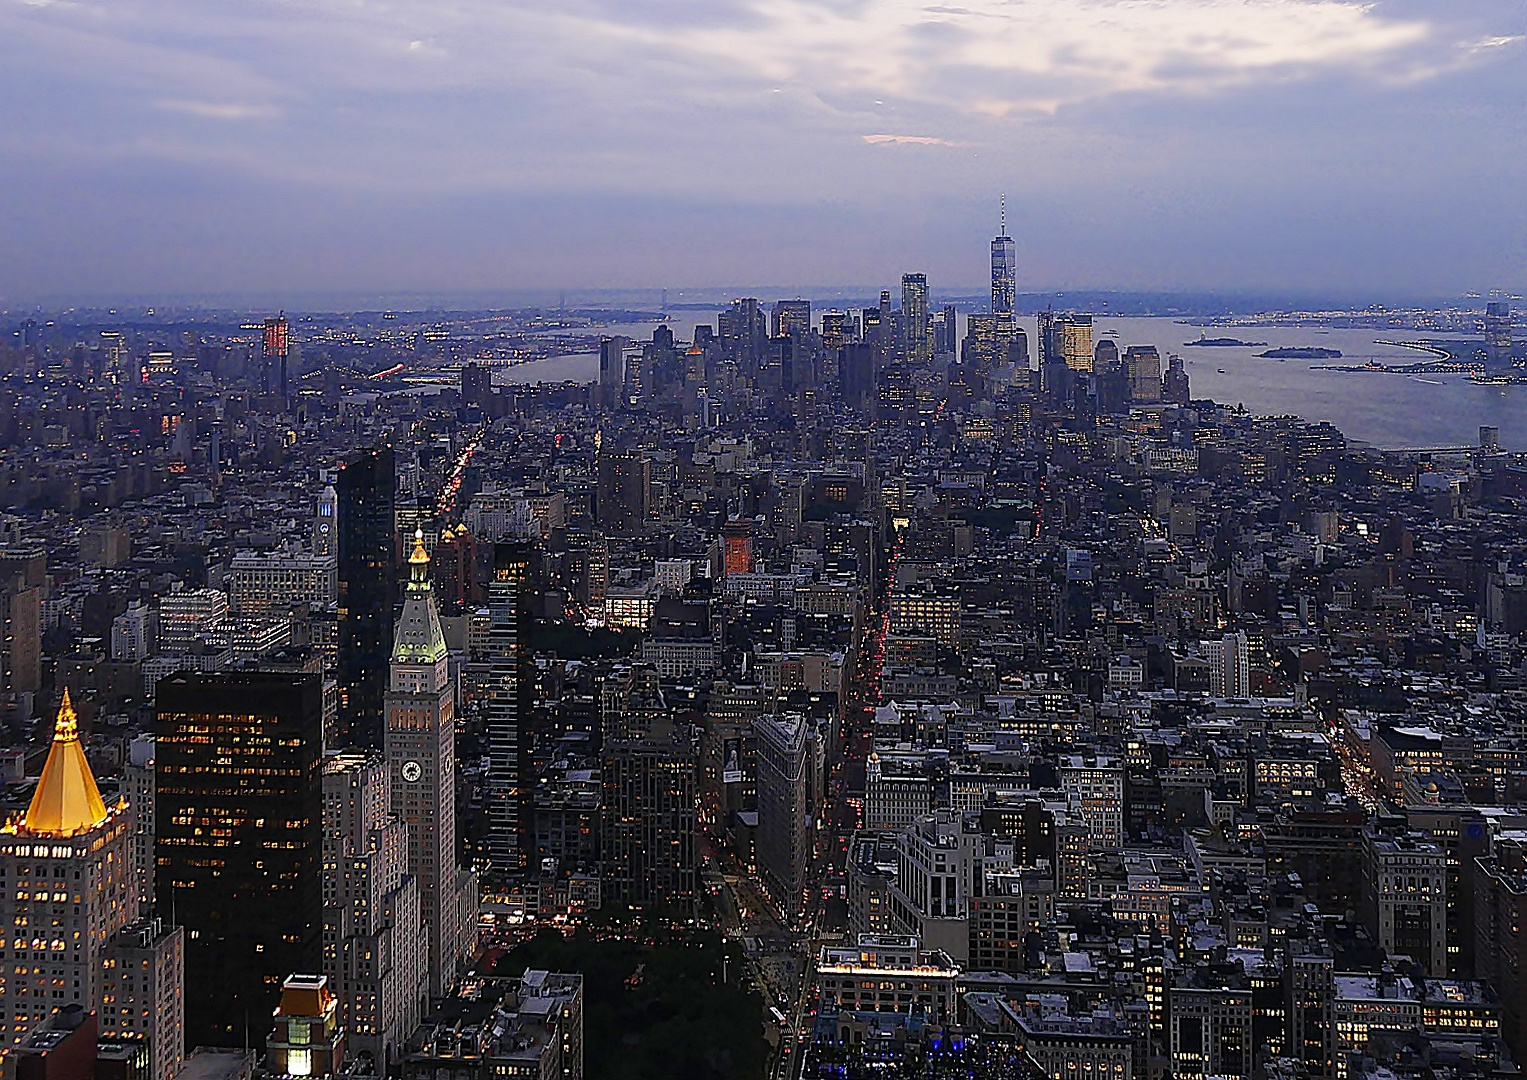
column 367, row 491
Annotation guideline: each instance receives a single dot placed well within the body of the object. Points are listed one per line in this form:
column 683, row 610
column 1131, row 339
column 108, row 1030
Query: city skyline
column 1205, row 145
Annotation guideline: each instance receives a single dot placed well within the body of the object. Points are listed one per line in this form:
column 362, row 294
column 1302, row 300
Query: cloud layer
column 1131, row 127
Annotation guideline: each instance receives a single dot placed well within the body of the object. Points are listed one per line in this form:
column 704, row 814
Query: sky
column 285, row 149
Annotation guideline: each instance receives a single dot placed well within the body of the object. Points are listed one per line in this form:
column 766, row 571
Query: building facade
column 238, row 837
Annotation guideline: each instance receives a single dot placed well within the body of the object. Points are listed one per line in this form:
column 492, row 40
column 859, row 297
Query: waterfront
column 1389, row 411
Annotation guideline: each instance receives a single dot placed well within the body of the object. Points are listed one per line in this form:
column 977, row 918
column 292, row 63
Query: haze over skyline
column 286, row 150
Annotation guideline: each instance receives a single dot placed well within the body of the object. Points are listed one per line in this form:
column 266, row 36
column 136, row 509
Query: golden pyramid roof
column 66, row 801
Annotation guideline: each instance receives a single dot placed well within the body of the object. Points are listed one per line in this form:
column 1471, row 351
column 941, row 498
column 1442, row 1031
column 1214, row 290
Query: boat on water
column 1220, row 370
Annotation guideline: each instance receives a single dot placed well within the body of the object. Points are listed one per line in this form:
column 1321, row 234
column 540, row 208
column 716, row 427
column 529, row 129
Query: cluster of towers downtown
column 878, row 359
column 280, row 828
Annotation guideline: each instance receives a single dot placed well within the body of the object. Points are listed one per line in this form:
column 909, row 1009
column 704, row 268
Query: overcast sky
column 292, row 147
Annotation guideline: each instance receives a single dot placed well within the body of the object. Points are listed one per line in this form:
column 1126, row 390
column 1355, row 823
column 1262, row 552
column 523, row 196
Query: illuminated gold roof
column 66, row 801
column 417, row 638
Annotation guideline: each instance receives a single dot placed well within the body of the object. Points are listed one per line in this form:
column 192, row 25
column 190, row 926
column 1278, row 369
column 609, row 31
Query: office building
column 270, row 583
column 68, row 886
column 23, row 579
column 623, row 495
column 138, row 790
column 946, row 332
column 375, row 946
column 1010, row 907
column 367, row 593
column 135, row 633
column 1144, row 365
column 1209, row 1016
column 1174, row 384
column 185, row 615
column 790, row 317
column 143, row 975
column 1405, row 898
column 507, row 792
column 856, row 373
column 649, row 858
column 421, row 760
column 1075, row 340
column 1004, row 270
column 477, row 385
column 612, row 370
column 928, row 609
column 785, row 746
column 238, row 838
column 737, row 546
column 1500, row 949
column 1498, row 333
column 1098, row 783
column 916, row 320
column 930, row 894
column 743, row 330
column 277, row 350
column 1229, row 666
column 1004, row 275
column 836, row 329
column 888, row 973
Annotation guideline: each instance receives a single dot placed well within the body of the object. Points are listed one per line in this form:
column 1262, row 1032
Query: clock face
column 412, row 771
column 323, row 527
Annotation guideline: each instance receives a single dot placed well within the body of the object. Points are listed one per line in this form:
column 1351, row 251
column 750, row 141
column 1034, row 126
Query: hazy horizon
column 1191, row 303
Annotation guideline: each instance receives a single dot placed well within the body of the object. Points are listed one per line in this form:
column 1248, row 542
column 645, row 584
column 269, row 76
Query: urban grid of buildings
column 1014, row 712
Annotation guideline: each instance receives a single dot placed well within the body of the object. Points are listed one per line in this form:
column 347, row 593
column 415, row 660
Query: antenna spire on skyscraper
column 1003, row 200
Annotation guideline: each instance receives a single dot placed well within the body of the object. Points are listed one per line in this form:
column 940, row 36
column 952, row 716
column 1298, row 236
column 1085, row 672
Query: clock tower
column 421, row 753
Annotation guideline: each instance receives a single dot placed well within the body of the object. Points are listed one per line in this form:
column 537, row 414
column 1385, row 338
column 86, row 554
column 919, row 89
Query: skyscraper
column 276, row 350
column 623, row 494
column 612, row 370
column 649, row 819
column 367, row 587
column 784, row 808
column 743, row 328
column 421, row 760
column 1144, row 363
column 790, row 317
column 375, row 947
column 69, row 886
column 946, row 336
column 856, row 373
column 1498, row 332
column 1174, row 384
column 507, row 793
column 1076, row 341
column 1004, row 274
column 916, row 319
column 238, row 838
column 835, row 329
column 23, row 576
